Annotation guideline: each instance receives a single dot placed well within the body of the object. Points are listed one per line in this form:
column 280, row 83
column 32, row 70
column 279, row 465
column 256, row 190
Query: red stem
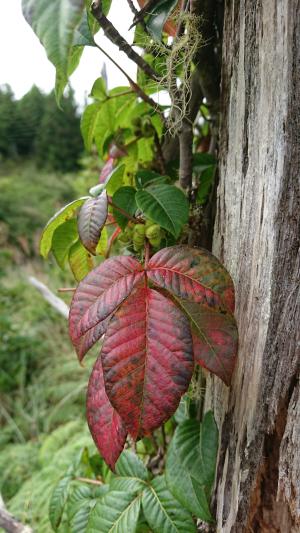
column 147, row 253
column 125, row 214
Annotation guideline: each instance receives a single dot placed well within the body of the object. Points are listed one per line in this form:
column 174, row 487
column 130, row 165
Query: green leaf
column 82, row 500
column 88, row 124
column 64, row 236
column 55, row 23
column 197, row 447
column 67, row 212
column 80, row 261
column 125, row 199
column 202, row 161
column 115, row 180
column 99, row 90
column 62, row 78
column 97, row 123
column 159, row 15
column 184, row 487
column 145, row 150
column 102, row 244
column 206, row 180
column 163, row 513
column 204, row 165
column 116, row 512
column 131, row 473
column 58, row 501
column 130, row 465
column 84, row 35
column 166, row 205
column 145, row 178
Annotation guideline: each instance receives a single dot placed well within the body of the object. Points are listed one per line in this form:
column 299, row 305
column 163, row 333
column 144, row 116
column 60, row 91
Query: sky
column 23, row 61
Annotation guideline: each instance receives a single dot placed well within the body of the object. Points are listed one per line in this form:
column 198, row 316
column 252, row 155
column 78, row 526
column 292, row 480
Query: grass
column 42, row 386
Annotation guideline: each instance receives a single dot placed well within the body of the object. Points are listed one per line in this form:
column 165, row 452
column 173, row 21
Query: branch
column 186, row 154
column 114, row 36
column 9, row 523
column 146, row 10
column 57, row 303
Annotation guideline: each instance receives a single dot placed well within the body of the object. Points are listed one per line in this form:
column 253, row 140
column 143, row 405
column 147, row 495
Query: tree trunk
column 257, row 238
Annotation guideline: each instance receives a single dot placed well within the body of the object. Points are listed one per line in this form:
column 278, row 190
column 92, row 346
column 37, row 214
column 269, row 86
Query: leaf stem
column 125, row 214
column 66, row 289
column 147, row 253
column 164, row 438
column 90, row 481
column 135, row 87
column 114, row 36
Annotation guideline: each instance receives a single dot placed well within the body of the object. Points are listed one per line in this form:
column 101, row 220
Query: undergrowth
column 42, row 387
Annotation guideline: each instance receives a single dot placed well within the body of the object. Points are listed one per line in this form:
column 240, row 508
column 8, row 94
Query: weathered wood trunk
column 257, row 238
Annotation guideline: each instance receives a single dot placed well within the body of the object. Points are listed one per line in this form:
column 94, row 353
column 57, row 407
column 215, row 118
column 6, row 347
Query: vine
column 158, row 308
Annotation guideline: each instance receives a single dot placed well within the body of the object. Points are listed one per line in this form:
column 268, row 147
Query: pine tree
column 59, row 144
column 30, row 110
column 8, row 120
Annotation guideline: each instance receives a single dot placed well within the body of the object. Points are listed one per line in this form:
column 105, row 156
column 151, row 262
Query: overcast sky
column 23, row 61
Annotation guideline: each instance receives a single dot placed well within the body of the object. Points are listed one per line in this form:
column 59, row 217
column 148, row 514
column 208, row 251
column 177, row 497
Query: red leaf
column 106, row 169
column 192, row 274
column 147, row 359
column 97, row 296
column 91, row 219
column 106, row 426
column 215, row 339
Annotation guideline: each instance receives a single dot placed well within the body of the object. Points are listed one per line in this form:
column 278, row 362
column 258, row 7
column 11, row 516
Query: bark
column 257, row 238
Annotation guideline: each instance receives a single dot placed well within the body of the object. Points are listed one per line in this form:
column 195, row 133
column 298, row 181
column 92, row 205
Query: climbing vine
column 158, row 308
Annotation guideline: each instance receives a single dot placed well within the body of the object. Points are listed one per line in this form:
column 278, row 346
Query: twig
column 51, row 298
column 186, row 154
column 132, row 7
column 135, row 12
column 114, row 36
column 144, row 11
column 164, row 438
column 9, row 523
column 124, row 93
column 125, row 214
column 90, row 481
column 133, row 85
column 147, row 253
column 160, row 155
column 66, row 289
